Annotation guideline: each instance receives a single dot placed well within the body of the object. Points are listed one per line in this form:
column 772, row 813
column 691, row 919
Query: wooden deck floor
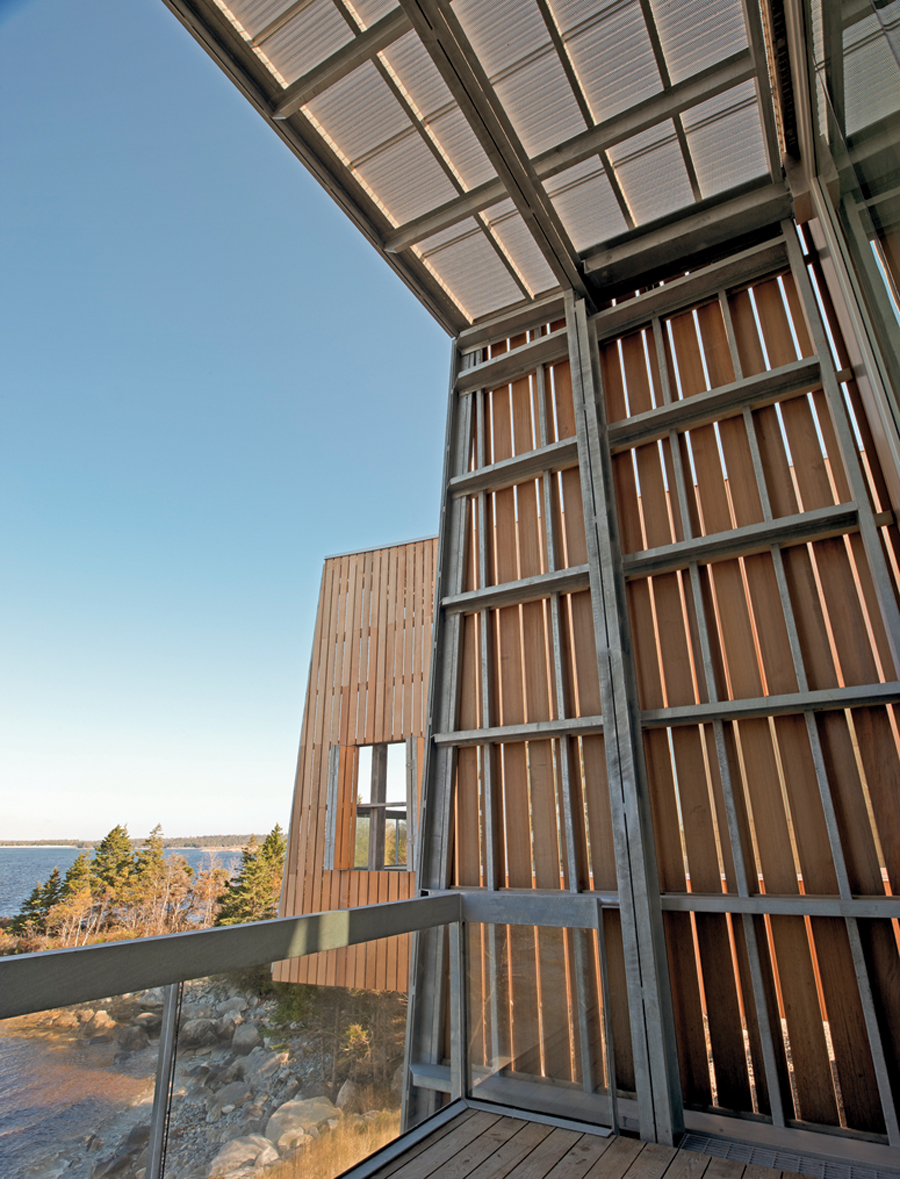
column 480, row 1145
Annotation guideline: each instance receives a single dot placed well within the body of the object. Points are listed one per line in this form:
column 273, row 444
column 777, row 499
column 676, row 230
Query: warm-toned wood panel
column 368, row 675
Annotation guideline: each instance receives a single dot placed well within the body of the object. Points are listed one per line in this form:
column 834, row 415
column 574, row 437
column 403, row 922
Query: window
column 370, row 813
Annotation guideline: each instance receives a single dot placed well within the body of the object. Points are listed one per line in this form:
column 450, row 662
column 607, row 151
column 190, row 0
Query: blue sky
column 209, row 382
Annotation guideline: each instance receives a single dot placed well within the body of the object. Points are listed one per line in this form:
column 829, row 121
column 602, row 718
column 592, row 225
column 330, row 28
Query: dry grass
column 332, row 1153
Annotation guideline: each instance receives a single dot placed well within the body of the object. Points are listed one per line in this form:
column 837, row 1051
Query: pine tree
column 78, row 877
column 32, row 917
column 113, row 875
column 254, row 892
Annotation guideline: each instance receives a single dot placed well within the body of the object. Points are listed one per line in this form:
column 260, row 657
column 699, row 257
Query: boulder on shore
column 294, row 1117
column 241, row 1154
column 245, row 1039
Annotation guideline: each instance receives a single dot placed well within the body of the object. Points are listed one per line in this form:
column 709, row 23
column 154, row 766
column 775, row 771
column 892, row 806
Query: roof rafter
column 580, row 147
column 458, row 65
column 362, row 48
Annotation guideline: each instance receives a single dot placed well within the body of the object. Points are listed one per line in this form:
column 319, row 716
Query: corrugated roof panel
column 513, row 234
column 407, row 178
column 464, row 151
column 698, row 33
column 611, row 53
column 313, row 35
column 359, row 112
column 651, row 173
column 467, row 264
column 871, row 82
column 540, row 103
column 418, row 74
column 584, row 199
column 502, row 32
column 370, row 11
column 254, row 15
column 725, row 138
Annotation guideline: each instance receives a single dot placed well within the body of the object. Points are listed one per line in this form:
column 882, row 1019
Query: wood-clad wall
column 368, row 685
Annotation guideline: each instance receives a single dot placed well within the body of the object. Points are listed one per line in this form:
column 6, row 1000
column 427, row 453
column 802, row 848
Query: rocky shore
column 248, row 1098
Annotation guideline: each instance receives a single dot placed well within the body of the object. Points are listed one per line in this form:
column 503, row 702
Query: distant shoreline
column 185, row 843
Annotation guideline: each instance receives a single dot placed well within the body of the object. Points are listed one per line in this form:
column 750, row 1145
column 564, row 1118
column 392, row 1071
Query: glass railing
column 204, row 1074
column 78, row 1085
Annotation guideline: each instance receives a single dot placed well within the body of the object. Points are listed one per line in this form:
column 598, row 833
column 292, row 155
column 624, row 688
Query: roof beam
column 363, row 47
column 455, row 59
column 731, row 72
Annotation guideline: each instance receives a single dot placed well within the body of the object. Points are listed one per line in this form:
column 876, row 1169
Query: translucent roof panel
column 503, row 32
column 651, row 173
column 369, row 11
column 360, row 113
column 407, row 177
column 516, row 239
column 463, row 150
column 871, row 90
column 725, row 138
column 698, row 33
column 540, row 102
column 304, row 42
column 585, row 201
column 255, row 15
column 470, row 268
column 611, row 52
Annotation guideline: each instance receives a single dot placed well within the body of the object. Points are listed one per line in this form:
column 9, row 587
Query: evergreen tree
column 32, row 917
column 254, row 892
column 113, row 875
column 78, row 877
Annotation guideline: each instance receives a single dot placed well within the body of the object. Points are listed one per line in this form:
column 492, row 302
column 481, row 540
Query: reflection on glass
column 537, row 1036
column 291, row 1079
column 77, row 1086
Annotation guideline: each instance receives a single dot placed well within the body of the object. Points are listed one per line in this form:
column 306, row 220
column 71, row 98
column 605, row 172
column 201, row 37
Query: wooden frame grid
column 667, row 650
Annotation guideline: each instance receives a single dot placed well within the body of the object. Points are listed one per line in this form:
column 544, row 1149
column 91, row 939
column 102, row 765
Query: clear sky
column 209, row 381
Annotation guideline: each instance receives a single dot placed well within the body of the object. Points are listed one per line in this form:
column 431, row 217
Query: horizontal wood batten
column 819, row 700
column 797, row 377
column 536, row 731
column 563, row 581
column 515, row 363
column 752, row 538
column 558, row 456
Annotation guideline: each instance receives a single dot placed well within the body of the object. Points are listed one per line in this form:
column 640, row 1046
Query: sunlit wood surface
column 479, row 1145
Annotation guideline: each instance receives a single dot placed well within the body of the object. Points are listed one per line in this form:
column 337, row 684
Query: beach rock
column 348, row 1097
column 127, row 1157
column 235, row 1094
column 237, row 1005
column 67, row 1019
column 294, row 1116
column 241, row 1154
column 99, row 1023
column 150, row 1021
column 260, row 1066
column 245, row 1039
column 132, row 1039
column 155, row 997
column 198, row 1033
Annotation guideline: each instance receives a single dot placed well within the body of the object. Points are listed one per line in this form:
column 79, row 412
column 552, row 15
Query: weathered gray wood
column 816, row 524
column 331, row 805
column 652, row 1162
column 558, row 456
column 438, row 1154
column 528, row 589
column 55, row 978
column 570, row 726
column 363, row 47
column 505, row 1160
column 514, row 363
column 650, row 1003
column 761, row 389
column 614, row 1163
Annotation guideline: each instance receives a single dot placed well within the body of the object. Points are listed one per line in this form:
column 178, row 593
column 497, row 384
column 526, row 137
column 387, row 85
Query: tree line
column 123, row 892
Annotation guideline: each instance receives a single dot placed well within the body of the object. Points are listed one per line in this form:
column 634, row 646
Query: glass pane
column 296, row 1079
column 361, row 846
column 77, row 1087
column 396, row 774
column 364, row 774
column 537, row 1037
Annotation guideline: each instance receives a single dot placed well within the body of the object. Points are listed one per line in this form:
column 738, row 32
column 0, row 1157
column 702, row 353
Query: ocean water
column 22, row 867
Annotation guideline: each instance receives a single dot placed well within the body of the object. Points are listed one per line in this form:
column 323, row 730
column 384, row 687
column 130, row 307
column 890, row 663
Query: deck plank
column 546, row 1155
column 581, row 1157
column 613, row 1163
column 688, row 1164
column 754, row 1171
column 725, row 1169
column 417, row 1161
column 652, row 1162
column 511, row 1153
column 478, row 1151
